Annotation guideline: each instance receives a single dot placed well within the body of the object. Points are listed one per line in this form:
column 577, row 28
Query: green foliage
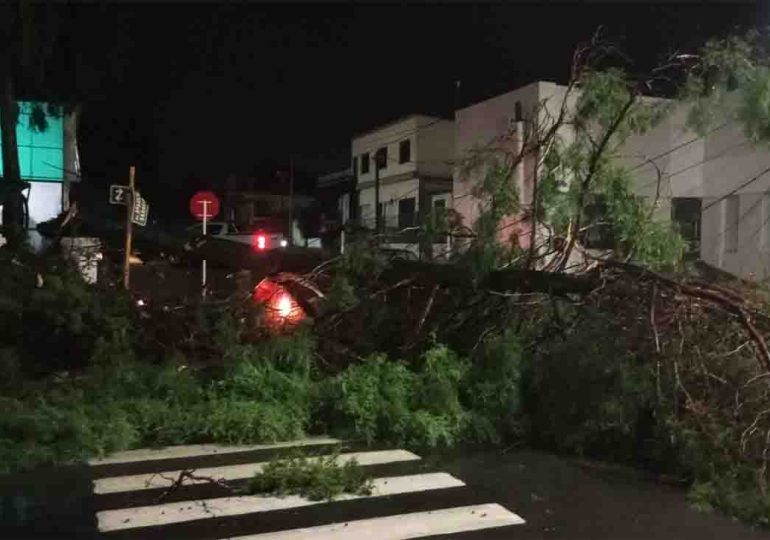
column 494, row 390
column 342, row 293
column 361, row 261
column 263, row 395
column 385, row 400
column 587, row 394
column 315, row 478
column 54, row 320
column 730, row 82
column 637, row 234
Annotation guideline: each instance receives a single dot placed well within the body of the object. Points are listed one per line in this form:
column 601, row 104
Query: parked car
column 260, row 238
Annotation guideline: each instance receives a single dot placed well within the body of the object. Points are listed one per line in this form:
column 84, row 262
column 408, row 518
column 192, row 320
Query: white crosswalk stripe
column 401, row 506
column 404, row 526
column 230, row 472
column 194, row 450
column 160, row 514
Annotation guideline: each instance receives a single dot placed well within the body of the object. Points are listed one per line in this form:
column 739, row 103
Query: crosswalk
column 187, row 492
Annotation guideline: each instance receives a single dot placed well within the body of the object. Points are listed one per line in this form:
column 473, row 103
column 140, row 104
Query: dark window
column 685, row 213
column 261, row 208
column 598, row 232
column 355, row 166
column 382, row 157
column 405, row 151
column 440, row 221
column 406, row 212
column 518, row 116
column 364, row 163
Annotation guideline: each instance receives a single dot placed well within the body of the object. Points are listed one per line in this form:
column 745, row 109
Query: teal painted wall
column 41, row 154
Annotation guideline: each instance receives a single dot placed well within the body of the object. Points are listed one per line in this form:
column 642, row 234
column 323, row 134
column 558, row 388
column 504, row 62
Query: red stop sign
column 207, row 200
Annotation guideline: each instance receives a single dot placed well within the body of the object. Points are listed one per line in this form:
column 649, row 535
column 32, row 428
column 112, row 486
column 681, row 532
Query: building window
column 686, row 215
column 518, row 115
column 598, row 232
column 406, row 212
column 355, row 167
column 405, row 151
column 732, row 222
column 382, row 157
column 364, row 163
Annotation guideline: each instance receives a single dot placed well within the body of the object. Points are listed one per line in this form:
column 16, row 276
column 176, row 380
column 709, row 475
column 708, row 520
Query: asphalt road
column 556, row 498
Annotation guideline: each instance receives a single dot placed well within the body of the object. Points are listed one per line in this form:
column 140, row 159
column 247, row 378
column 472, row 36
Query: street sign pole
column 129, row 231
column 204, row 205
column 203, row 263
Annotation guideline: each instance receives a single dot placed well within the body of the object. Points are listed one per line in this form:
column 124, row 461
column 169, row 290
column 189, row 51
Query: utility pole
column 377, row 211
column 291, row 201
column 129, row 228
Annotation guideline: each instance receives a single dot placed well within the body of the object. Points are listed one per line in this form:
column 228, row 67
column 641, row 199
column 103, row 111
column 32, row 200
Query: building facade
column 413, row 157
column 714, row 188
column 48, row 160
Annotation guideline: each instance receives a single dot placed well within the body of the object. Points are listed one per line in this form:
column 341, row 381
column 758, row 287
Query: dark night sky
column 197, row 91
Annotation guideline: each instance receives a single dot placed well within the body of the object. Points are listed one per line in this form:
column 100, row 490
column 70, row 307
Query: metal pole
column 291, row 202
column 342, row 241
column 203, row 262
column 129, row 231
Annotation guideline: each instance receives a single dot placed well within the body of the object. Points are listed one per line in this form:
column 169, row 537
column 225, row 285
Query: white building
column 716, row 187
column 415, row 172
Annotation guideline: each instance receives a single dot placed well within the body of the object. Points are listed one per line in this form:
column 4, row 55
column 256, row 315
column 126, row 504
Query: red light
column 281, row 310
column 284, row 306
column 261, row 241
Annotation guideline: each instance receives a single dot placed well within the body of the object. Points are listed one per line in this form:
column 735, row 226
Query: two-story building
column 412, row 157
column 715, row 188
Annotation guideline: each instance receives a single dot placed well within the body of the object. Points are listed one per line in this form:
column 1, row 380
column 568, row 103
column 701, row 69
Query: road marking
column 404, row 526
column 165, row 514
column 165, row 479
column 195, row 450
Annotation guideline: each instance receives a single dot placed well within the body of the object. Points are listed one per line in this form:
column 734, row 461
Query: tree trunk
column 9, row 115
column 13, row 204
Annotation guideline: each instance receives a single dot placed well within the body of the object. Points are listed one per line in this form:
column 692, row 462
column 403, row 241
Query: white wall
column 435, row 147
column 432, row 147
column 389, row 136
column 712, row 167
column 490, row 127
column 44, row 202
